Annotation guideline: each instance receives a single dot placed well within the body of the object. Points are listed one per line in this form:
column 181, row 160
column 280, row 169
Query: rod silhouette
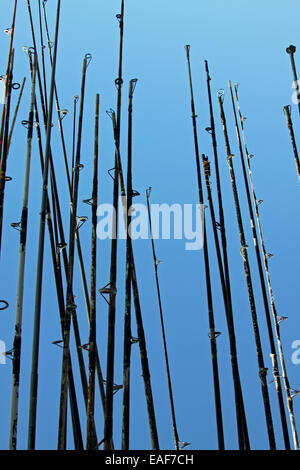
column 212, row 332
column 262, row 369
column 270, row 290
column 242, row 428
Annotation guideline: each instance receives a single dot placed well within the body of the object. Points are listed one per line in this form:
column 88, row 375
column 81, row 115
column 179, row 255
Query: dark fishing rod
column 64, row 253
column 3, row 165
column 15, row 115
column 108, row 419
column 20, row 289
column 61, row 113
column 262, row 369
column 276, row 318
column 56, row 249
column 37, row 313
column 76, row 98
column 155, row 263
column 263, row 285
column 70, row 182
column 212, row 333
column 291, row 51
column 92, row 336
column 70, row 305
column 42, row 50
column 127, row 317
column 138, row 314
column 287, row 113
column 242, row 428
column 6, row 88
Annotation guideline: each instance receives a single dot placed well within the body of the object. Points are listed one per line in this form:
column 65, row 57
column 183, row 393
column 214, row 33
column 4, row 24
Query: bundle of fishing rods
column 43, row 97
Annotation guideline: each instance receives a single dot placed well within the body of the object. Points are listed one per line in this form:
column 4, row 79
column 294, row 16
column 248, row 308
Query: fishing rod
column 92, row 336
column 20, row 289
column 53, row 183
column 15, row 115
column 155, row 262
column 70, row 183
column 3, row 165
column 56, row 248
column 37, row 313
column 262, row 369
column 42, row 50
column 138, row 313
column 76, row 98
column 61, row 113
column 127, row 317
column 212, row 334
column 276, row 318
column 242, row 428
column 263, row 285
column 11, row 32
column 108, row 419
column 287, row 113
column 70, row 305
column 56, row 208
column 291, row 51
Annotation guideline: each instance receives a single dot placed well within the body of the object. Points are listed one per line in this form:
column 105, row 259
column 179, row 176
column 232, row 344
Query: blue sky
column 244, row 42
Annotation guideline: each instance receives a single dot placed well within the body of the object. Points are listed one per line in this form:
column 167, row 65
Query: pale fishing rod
column 263, row 285
column 56, row 248
column 138, row 313
column 287, row 113
column 128, row 276
column 212, row 333
column 70, row 305
column 277, row 319
column 20, row 288
column 108, row 419
column 92, row 334
column 155, row 263
column 291, row 51
column 37, row 312
column 242, row 428
column 262, row 369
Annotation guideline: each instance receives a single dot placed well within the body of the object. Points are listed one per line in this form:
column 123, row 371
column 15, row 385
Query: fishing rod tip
column 291, row 49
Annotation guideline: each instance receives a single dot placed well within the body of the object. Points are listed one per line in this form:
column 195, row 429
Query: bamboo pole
column 242, row 428
column 262, row 369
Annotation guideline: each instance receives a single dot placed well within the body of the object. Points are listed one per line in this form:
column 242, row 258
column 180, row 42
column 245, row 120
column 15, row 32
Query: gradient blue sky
column 244, row 42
